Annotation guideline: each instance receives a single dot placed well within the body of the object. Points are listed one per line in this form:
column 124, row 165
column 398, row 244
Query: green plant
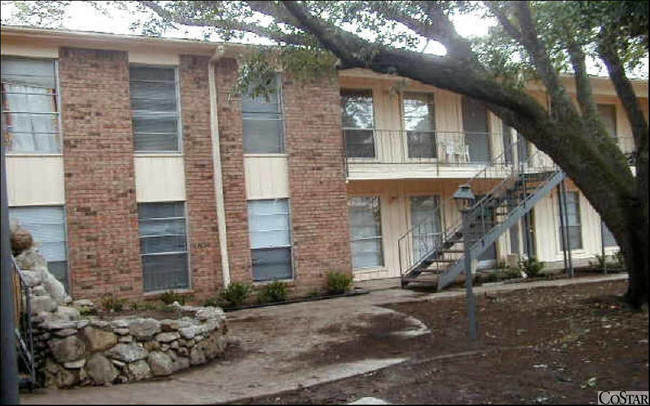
column 170, row 297
column 87, row 311
column 601, row 262
column 214, row 302
column 338, row 282
column 234, row 295
column 275, row 291
column 313, row 293
column 531, row 266
column 111, row 303
column 511, row 273
column 491, row 277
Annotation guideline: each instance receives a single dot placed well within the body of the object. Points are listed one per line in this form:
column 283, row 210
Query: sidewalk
column 275, row 341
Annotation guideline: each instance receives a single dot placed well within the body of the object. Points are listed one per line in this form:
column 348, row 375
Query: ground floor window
column 270, row 237
column 47, row 226
column 163, row 246
column 573, row 224
column 365, row 230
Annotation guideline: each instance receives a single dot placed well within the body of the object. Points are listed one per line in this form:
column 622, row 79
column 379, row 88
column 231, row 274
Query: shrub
column 511, row 273
column 234, row 295
column 531, row 266
column 601, row 262
column 313, row 293
column 170, row 297
column 111, row 303
column 338, row 282
column 214, row 302
column 491, row 277
column 275, row 291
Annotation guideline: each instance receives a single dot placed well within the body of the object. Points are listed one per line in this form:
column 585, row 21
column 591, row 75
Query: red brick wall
column 102, row 217
column 232, row 162
column 205, row 259
column 319, row 212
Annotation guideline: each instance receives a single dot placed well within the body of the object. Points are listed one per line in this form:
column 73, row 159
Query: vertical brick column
column 231, row 137
column 319, row 211
column 102, row 218
column 205, row 258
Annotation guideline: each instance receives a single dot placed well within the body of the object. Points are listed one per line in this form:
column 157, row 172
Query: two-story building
column 138, row 171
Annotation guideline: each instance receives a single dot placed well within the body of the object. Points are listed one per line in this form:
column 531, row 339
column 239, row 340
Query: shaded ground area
column 545, row 345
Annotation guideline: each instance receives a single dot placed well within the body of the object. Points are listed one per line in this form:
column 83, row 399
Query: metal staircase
column 432, row 256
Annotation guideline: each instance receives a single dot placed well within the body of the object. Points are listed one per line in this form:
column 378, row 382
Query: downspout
column 216, row 159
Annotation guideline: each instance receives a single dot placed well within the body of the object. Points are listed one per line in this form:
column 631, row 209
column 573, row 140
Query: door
column 425, row 217
column 475, row 125
column 528, row 235
column 488, row 258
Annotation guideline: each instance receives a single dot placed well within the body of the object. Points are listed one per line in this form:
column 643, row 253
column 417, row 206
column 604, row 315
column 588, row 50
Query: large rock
column 31, row 259
column 101, row 370
column 54, row 288
column 144, row 329
column 59, row 376
column 167, row 337
column 160, row 363
column 32, row 279
column 67, row 313
column 139, row 370
column 127, row 352
column 67, row 349
column 210, row 313
column 180, row 363
column 212, row 346
column 99, row 340
column 196, row 356
column 43, row 304
column 189, row 332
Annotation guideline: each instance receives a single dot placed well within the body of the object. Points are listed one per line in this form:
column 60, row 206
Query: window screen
column 365, row 229
column 270, row 236
column 425, row 213
column 163, row 245
column 30, row 113
column 573, row 221
column 154, row 104
column 358, row 123
column 419, row 121
column 47, row 225
column 262, row 121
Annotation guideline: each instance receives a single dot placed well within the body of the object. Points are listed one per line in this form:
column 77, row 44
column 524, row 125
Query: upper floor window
column 263, row 124
column 30, row 112
column 607, row 114
column 420, row 124
column 358, row 123
column 155, row 108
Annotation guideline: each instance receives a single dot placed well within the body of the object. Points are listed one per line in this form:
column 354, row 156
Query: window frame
column 179, row 112
column 59, row 120
column 65, row 239
column 438, row 199
column 405, row 139
column 281, row 113
column 290, row 246
column 381, row 236
column 581, row 248
column 187, row 251
column 374, row 129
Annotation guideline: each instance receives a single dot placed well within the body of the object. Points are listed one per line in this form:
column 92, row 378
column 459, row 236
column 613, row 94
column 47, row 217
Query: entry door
column 526, row 224
column 488, row 258
column 475, row 125
column 425, row 211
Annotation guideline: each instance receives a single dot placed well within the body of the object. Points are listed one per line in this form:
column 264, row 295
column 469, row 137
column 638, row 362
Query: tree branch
column 583, row 84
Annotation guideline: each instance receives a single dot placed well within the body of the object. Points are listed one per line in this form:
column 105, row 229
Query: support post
column 562, row 229
column 566, row 221
column 471, row 303
column 9, row 392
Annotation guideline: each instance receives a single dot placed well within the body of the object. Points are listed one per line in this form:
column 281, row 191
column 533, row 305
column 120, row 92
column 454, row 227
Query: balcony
column 398, row 154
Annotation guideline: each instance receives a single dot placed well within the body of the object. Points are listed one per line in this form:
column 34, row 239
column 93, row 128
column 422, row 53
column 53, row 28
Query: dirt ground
column 549, row 345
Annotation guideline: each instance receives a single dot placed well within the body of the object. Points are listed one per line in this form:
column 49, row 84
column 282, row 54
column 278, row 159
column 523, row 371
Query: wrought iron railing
column 23, row 330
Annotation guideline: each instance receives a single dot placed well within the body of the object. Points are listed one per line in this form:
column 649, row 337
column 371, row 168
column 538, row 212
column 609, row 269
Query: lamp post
column 465, row 196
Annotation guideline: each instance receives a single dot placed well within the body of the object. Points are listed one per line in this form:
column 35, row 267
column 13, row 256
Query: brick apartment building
column 138, row 171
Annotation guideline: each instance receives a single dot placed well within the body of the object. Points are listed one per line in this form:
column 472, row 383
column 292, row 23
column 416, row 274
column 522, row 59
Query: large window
column 47, row 226
column 163, row 246
column 573, row 221
column 365, row 230
column 419, row 122
column 270, row 236
column 262, row 121
column 425, row 213
column 30, row 113
column 475, row 125
column 154, row 103
column 358, row 123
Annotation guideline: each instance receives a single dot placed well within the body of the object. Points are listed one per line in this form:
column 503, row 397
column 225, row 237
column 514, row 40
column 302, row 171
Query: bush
column 601, row 262
column 338, row 282
column 275, row 291
column 531, row 266
column 170, row 297
column 511, row 273
column 111, row 303
column 491, row 277
column 313, row 293
column 234, row 295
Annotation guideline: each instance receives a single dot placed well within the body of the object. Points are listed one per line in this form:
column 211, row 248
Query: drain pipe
column 216, row 159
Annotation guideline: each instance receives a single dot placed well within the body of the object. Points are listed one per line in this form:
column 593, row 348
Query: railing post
column 471, row 305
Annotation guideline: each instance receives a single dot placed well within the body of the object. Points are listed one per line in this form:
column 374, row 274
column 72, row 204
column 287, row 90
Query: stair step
column 453, row 251
column 443, row 260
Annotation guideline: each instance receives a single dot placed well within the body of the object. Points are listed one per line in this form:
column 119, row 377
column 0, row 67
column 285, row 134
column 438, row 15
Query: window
column 30, row 113
column 607, row 114
column 419, row 121
column 608, row 237
column 475, row 125
column 47, row 225
column 270, row 236
column 154, row 104
column 358, row 123
column 425, row 213
column 262, row 121
column 573, row 221
column 163, row 246
column 365, row 230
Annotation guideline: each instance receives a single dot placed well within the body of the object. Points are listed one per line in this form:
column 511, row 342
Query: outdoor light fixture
column 464, row 194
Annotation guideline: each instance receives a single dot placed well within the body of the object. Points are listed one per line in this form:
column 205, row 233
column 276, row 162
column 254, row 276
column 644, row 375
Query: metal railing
column 23, row 323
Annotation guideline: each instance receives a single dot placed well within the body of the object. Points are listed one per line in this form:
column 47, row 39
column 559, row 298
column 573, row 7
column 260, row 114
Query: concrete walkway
column 274, row 341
